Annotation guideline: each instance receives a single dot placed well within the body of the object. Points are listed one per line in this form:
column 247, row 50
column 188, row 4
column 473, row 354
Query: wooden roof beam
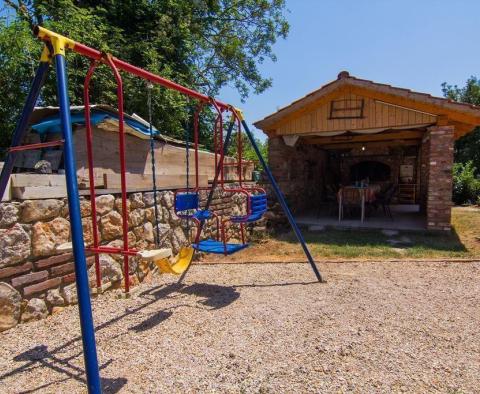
column 374, row 144
column 359, row 138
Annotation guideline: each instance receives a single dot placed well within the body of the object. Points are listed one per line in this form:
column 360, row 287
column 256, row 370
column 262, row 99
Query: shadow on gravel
column 39, row 357
column 314, row 282
column 214, row 297
column 152, row 321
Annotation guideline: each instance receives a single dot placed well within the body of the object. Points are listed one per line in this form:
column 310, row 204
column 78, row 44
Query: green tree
column 248, row 153
column 203, row 44
column 467, row 148
column 466, row 186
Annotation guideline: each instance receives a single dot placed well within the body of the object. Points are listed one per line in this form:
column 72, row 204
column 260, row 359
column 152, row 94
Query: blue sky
column 411, row 44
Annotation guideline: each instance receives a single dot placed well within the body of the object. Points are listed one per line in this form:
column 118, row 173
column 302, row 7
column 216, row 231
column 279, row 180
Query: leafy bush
column 466, row 187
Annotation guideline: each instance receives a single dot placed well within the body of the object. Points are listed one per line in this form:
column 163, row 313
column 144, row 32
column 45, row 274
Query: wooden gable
column 351, row 104
column 348, row 111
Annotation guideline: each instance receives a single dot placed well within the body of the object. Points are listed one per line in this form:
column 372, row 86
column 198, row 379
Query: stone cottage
column 354, row 131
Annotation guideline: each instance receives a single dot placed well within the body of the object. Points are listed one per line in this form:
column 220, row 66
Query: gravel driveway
column 373, row 327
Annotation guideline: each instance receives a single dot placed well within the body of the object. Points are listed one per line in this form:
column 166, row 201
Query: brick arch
column 375, row 170
column 392, row 161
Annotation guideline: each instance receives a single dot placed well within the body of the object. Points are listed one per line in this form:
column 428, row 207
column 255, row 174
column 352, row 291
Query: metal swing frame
column 54, row 50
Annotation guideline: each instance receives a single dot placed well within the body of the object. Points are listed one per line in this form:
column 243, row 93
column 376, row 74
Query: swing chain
column 152, row 153
column 187, row 163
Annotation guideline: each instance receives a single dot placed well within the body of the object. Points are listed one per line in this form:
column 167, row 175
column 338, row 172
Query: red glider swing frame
column 115, row 65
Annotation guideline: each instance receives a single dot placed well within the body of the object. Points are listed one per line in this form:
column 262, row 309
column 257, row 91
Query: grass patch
column 461, row 242
column 373, row 244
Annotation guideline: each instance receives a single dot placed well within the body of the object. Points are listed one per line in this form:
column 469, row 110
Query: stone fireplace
column 372, row 170
column 380, row 165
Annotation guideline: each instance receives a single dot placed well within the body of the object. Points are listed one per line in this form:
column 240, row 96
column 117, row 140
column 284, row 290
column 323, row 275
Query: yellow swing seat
column 161, row 259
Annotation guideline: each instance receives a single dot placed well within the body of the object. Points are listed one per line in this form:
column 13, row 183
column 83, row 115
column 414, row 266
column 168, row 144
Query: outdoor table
column 366, row 194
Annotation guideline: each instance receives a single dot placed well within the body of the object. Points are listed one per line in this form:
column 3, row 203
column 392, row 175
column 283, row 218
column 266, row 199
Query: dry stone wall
column 36, row 280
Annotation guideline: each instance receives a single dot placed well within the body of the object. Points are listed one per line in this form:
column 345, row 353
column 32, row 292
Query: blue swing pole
column 20, row 129
column 283, row 203
column 83, row 289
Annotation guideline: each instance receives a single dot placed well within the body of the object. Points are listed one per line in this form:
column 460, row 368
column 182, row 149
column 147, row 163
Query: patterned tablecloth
column 356, row 195
column 353, row 194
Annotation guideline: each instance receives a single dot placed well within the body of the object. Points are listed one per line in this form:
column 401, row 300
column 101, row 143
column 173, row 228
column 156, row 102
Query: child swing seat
column 187, row 207
column 258, row 206
column 161, row 258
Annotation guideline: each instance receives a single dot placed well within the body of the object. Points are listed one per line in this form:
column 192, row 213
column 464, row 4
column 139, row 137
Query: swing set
column 188, row 204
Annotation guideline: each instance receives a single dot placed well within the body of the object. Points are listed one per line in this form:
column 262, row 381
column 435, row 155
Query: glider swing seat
column 187, row 207
column 187, row 201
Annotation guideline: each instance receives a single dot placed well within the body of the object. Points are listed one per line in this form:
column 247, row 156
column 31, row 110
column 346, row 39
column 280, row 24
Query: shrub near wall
column 36, row 280
column 466, row 186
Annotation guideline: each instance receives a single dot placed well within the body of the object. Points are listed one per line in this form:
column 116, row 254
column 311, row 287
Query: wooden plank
column 135, row 183
column 7, row 196
column 383, row 136
column 24, row 180
column 301, row 106
column 386, row 93
column 375, row 144
column 169, row 159
column 408, row 102
column 39, row 192
column 376, row 114
column 145, row 181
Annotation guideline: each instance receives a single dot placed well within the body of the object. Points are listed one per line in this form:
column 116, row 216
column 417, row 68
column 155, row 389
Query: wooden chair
column 330, row 200
column 385, row 200
column 349, row 199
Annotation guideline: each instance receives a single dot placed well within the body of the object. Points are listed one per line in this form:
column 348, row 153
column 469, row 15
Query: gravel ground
column 373, row 327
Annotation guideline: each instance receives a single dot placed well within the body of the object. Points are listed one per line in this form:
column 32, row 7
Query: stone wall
column 36, row 280
column 299, row 172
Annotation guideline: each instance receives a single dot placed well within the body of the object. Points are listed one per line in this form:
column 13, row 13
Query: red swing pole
column 91, row 179
column 196, row 126
column 215, row 147
column 123, row 181
column 239, row 147
column 219, row 128
column 240, row 170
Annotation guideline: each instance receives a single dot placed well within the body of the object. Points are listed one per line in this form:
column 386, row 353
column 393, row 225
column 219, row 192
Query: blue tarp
column 51, row 124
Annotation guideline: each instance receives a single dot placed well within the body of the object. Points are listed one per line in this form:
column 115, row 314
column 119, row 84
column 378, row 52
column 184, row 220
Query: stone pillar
column 439, row 189
column 424, row 164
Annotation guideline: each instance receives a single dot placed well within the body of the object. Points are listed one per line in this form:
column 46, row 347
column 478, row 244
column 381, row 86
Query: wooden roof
column 382, row 106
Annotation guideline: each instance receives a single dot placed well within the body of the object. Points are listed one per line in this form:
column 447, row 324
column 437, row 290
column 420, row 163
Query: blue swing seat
column 218, row 247
column 202, row 214
column 258, row 206
column 188, row 201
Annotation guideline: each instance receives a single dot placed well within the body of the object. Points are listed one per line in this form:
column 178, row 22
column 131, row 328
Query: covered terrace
column 356, row 153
